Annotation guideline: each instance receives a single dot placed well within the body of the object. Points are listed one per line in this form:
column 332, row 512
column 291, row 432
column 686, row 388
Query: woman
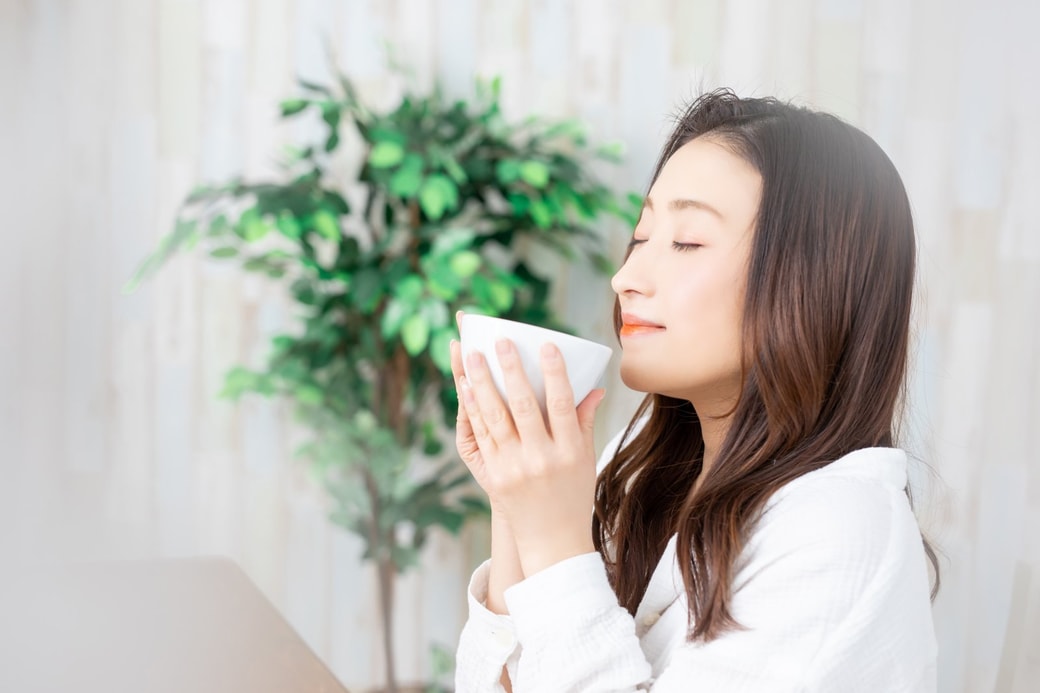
column 752, row 528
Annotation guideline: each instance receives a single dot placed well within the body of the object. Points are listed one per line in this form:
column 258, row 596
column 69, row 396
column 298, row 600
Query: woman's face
column 682, row 287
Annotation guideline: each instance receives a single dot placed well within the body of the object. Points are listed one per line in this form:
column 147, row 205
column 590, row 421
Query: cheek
column 703, row 345
column 710, row 309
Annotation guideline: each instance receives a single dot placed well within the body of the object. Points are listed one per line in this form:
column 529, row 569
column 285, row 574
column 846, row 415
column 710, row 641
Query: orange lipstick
column 633, row 325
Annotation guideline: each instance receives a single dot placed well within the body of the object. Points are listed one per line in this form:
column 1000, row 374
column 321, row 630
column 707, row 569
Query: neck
column 713, row 431
column 715, row 415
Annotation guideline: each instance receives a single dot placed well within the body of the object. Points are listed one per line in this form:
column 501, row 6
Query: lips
column 633, row 325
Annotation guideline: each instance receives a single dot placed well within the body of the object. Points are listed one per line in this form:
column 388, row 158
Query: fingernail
column 475, row 359
column 550, row 352
column 503, row 347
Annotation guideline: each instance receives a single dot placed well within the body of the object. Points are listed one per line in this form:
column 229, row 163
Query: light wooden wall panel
column 114, row 444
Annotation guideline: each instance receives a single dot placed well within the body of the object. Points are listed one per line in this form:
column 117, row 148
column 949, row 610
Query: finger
column 481, row 432
column 587, row 414
column 559, row 396
column 455, row 349
column 457, row 371
column 523, row 404
column 458, row 319
column 487, row 404
column 465, row 440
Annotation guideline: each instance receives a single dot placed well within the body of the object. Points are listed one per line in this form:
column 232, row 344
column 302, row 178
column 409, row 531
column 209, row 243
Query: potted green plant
column 452, row 196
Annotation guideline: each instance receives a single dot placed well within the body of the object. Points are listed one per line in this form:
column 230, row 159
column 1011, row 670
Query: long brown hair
column 826, row 325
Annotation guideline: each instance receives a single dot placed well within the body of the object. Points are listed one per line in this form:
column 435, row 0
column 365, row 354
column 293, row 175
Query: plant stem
column 382, row 548
column 385, row 566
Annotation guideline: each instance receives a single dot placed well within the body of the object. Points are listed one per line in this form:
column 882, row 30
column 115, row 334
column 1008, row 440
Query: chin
column 630, row 377
column 639, row 380
column 669, row 383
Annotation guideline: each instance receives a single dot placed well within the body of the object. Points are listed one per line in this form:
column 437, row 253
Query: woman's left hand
column 541, row 477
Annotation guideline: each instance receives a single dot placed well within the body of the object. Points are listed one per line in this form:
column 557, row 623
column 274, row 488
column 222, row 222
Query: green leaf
column 326, row 225
column 330, row 113
column 310, row 394
column 435, row 312
column 225, row 252
column 437, row 195
column 501, row 297
column 332, row 142
column 293, row 106
column 521, row 203
column 440, row 350
column 408, row 178
column 571, row 129
column 410, row 289
column 454, row 170
column 432, row 447
column 289, row 226
column 534, row 173
column 415, row 334
column 611, row 151
column 237, row 381
column 385, row 154
column 602, row 263
column 367, row 289
column 450, row 520
column 218, row 225
column 313, row 86
column 498, row 296
column 451, row 241
column 404, row 558
column 507, row 171
column 393, row 317
column 465, row 263
column 251, row 226
column 442, row 282
column 540, row 213
column 336, row 202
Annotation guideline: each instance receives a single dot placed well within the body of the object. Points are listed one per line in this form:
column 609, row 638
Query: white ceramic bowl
column 586, row 360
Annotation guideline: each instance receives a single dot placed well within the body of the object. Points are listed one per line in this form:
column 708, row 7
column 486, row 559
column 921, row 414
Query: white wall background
column 112, row 441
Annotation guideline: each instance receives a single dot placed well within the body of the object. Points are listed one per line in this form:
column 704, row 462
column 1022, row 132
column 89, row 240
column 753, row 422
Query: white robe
column 832, row 587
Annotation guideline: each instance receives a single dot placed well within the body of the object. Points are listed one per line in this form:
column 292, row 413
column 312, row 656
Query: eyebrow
column 681, row 204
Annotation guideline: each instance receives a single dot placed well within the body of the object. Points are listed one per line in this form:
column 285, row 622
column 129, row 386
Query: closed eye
column 686, row 246
column 675, row 244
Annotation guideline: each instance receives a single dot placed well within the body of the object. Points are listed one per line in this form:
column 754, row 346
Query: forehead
column 703, row 169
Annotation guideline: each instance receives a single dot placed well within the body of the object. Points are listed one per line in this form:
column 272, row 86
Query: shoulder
column 850, row 514
column 836, row 549
column 865, row 480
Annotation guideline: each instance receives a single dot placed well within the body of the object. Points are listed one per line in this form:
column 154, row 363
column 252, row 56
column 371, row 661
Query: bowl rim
column 538, row 329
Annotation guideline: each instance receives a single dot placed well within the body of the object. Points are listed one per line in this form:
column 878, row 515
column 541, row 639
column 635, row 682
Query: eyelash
column 681, row 247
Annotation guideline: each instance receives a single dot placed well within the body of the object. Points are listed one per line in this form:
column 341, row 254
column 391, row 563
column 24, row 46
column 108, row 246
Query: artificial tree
column 452, row 196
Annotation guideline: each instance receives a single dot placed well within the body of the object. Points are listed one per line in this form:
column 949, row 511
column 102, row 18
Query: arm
column 504, row 572
column 834, row 597
column 487, row 644
column 484, row 629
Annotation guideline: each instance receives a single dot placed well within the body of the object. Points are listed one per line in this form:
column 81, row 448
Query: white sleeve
column 833, row 598
column 488, row 641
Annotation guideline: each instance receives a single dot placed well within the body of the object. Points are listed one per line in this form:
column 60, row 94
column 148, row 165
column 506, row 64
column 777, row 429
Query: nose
column 634, row 276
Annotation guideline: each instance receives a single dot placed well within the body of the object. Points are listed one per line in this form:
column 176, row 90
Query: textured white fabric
column 832, row 588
